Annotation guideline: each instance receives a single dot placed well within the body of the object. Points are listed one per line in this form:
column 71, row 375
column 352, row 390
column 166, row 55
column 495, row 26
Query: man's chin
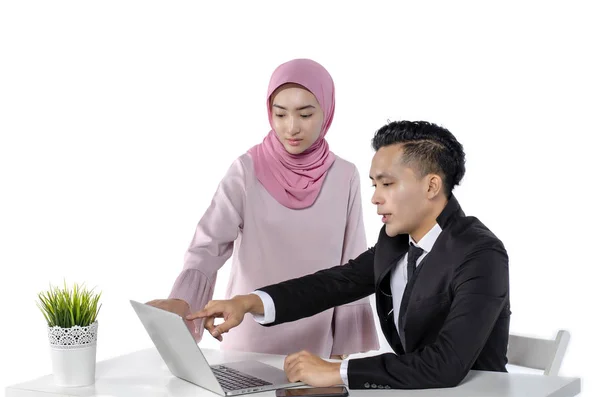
column 391, row 231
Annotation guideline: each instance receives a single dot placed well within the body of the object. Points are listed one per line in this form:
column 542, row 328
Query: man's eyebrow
column 380, row 176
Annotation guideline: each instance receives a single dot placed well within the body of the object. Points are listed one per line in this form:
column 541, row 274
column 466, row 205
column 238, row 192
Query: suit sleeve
column 306, row 296
column 479, row 293
column 212, row 243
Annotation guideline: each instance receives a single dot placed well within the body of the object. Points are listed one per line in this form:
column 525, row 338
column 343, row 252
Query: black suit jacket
column 455, row 310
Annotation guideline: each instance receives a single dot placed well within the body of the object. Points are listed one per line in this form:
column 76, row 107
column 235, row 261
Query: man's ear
column 434, row 186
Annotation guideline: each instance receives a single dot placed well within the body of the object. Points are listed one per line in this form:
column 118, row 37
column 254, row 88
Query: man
column 440, row 278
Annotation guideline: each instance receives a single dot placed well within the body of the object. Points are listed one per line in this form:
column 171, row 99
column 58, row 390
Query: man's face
column 400, row 195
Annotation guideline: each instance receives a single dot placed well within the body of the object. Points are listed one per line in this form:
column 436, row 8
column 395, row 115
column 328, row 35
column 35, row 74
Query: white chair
column 541, row 354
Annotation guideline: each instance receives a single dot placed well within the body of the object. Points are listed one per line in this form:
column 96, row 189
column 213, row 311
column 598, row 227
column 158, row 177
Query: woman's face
column 296, row 117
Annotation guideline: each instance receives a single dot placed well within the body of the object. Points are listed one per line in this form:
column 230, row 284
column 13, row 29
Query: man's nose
column 376, row 198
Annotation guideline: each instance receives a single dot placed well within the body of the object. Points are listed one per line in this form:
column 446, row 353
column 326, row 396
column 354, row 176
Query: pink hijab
column 295, row 180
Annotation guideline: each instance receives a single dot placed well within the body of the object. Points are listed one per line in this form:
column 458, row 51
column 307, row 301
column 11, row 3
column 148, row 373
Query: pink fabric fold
column 196, row 289
column 295, row 180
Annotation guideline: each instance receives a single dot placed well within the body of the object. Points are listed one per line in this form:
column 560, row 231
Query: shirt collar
column 429, row 239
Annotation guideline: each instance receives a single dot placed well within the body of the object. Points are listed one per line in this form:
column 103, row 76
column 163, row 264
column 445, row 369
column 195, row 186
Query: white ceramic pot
column 73, row 353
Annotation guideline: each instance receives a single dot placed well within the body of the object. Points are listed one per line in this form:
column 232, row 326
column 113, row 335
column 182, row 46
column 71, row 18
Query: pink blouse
column 269, row 243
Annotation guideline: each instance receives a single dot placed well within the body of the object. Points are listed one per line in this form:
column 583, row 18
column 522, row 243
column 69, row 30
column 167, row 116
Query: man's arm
column 480, row 289
column 306, row 296
column 294, row 299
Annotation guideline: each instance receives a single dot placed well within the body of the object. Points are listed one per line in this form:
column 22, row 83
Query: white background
column 119, row 118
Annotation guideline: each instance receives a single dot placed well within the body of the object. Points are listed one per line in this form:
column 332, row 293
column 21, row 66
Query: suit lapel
column 388, row 253
column 406, row 298
column 385, row 308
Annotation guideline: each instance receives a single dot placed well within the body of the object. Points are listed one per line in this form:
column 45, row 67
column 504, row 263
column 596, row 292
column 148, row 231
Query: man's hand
column 231, row 310
column 177, row 306
column 312, row 370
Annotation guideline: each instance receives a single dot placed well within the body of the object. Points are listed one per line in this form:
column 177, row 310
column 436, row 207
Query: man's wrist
column 251, row 303
column 336, row 375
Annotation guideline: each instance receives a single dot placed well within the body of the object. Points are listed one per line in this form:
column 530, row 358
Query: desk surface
column 144, row 373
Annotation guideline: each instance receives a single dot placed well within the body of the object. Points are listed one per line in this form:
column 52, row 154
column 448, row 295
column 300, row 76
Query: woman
column 286, row 208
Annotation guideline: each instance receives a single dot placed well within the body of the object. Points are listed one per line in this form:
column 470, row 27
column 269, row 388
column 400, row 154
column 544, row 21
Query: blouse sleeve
column 212, row 243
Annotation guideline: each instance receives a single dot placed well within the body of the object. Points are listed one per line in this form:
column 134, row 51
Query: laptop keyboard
column 231, row 379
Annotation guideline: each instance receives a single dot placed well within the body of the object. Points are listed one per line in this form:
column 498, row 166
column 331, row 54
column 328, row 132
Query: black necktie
column 414, row 253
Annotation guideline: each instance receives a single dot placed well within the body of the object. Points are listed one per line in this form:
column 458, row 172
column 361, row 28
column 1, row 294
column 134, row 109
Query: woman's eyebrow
column 300, row 108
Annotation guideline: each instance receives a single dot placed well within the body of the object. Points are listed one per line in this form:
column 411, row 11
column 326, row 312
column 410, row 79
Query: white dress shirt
column 399, row 277
column 398, row 282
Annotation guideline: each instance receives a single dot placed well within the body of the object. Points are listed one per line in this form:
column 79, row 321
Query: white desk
column 144, row 373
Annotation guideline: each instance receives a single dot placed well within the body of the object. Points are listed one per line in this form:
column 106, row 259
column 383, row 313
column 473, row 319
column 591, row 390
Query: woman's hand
column 177, row 306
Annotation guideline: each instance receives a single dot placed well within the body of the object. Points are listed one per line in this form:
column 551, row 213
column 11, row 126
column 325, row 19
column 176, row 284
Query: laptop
column 185, row 360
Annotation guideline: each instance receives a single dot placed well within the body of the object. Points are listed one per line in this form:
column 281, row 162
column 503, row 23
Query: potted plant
column 71, row 315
